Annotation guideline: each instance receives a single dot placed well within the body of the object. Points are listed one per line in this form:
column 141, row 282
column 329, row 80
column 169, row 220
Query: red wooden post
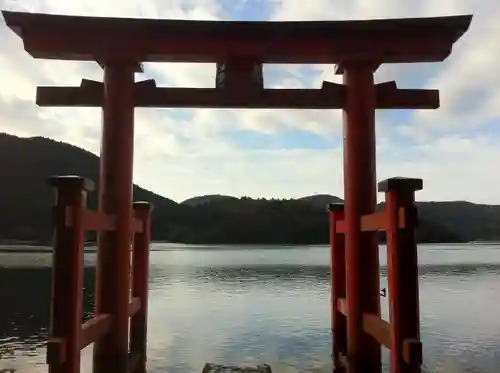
column 63, row 348
column 363, row 289
column 406, row 348
column 338, row 286
column 115, row 198
column 140, row 265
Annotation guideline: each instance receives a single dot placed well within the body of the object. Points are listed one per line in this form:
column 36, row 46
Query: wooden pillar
column 115, row 198
column 140, row 263
column 402, row 266
column 63, row 348
column 338, row 286
column 362, row 260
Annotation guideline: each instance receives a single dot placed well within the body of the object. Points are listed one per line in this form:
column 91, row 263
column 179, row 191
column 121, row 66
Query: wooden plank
column 373, row 222
column 92, row 220
column 90, row 38
column 99, row 221
column 389, row 96
column 94, row 329
column 378, row 329
column 408, row 99
column 96, row 221
column 372, row 324
column 198, row 97
column 148, row 96
column 378, row 220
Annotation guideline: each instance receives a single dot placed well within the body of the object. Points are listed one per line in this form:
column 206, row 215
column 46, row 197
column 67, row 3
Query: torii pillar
column 362, row 254
column 115, row 198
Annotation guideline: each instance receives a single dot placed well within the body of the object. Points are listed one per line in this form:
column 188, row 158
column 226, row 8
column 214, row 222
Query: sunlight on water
column 252, row 305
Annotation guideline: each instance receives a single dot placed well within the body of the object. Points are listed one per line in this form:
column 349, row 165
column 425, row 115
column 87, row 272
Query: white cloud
column 183, row 153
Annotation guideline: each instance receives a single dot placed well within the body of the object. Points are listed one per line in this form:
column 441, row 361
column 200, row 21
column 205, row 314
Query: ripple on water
column 264, row 306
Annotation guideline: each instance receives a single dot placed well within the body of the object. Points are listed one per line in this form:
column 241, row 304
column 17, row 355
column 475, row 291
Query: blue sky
column 280, row 153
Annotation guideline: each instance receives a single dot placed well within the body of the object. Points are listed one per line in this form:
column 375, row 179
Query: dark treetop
column 25, row 201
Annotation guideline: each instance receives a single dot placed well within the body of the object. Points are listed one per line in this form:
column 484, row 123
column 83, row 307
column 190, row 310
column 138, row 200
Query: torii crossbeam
column 239, row 49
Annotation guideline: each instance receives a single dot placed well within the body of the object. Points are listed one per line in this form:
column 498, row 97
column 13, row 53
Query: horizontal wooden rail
column 91, row 331
column 378, row 221
column 94, row 329
column 375, row 326
column 97, row 327
column 332, row 96
column 98, row 221
column 378, row 328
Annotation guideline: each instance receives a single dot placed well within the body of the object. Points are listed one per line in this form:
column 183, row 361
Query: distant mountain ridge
column 25, row 201
column 209, row 198
column 317, row 201
column 25, row 197
column 320, row 201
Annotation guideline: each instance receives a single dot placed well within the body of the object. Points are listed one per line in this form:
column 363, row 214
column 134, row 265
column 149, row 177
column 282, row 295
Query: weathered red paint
column 153, row 40
column 63, row 353
column 362, row 262
column 338, row 287
column 119, row 45
column 140, row 263
column 115, row 198
column 67, row 333
column 330, row 96
column 402, row 268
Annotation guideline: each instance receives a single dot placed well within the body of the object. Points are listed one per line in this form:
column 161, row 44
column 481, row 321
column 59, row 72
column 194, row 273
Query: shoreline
column 90, row 248
column 28, row 249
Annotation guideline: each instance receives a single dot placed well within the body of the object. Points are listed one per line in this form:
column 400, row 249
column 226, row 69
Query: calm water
column 264, row 305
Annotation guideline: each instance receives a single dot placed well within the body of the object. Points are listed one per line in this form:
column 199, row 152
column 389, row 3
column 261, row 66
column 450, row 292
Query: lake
column 263, row 304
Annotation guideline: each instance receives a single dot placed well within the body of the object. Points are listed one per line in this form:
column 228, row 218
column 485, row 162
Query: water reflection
column 272, row 306
column 25, row 310
column 251, row 275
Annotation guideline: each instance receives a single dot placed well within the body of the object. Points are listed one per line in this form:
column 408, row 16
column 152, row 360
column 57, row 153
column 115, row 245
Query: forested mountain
column 25, row 201
column 209, row 198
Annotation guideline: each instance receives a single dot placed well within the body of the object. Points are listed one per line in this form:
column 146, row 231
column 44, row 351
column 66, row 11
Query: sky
column 181, row 153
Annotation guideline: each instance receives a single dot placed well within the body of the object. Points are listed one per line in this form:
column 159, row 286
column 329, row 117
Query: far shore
column 17, row 247
column 32, row 249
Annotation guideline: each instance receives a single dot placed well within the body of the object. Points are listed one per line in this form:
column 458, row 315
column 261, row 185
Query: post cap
column 335, row 207
column 143, row 206
column 400, row 183
column 72, row 181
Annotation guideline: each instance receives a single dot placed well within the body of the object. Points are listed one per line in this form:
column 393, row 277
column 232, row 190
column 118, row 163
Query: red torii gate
column 120, row 45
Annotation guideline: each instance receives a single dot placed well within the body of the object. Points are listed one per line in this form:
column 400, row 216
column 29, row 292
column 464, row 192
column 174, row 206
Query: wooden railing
column 402, row 335
column 71, row 220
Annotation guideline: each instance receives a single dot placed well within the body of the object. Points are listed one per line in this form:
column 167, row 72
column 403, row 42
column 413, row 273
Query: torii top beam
column 96, row 38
